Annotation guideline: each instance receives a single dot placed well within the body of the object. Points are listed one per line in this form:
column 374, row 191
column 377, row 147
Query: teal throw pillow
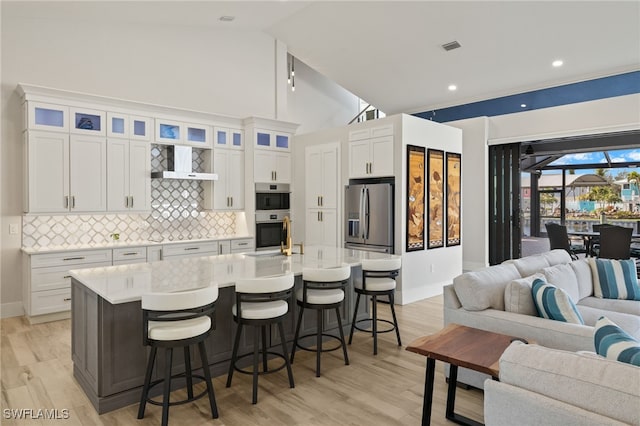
column 614, row 343
column 554, row 303
column 615, row 279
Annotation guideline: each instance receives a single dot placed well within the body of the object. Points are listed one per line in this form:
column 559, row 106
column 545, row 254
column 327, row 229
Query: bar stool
column 261, row 302
column 172, row 320
column 378, row 279
column 322, row 289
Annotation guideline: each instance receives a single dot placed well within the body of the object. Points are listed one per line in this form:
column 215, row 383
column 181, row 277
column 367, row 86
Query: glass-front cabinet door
column 87, row 121
column 168, row 131
column 43, row 116
column 228, row 138
column 117, row 125
column 198, row 135
column 139, row 128
column 266, row 139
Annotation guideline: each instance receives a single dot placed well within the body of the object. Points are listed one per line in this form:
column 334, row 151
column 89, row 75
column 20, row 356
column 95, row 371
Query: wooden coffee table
column 460, row 346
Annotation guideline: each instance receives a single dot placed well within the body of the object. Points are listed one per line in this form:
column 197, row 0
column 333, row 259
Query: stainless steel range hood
column 180, row 160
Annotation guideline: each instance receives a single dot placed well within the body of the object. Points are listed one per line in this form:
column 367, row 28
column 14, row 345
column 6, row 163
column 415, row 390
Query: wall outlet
column 432, row 268
column 13, row 228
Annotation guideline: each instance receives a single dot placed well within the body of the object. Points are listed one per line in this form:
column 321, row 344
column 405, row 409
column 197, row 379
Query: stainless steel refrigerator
column 369, row 217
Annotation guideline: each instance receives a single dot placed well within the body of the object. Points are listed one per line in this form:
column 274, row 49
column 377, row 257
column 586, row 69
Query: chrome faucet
column 286, row 225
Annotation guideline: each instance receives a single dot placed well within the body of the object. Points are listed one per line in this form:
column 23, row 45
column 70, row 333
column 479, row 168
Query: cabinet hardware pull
column 192, row 248
column 67, row 299
column 276, row 175
column 318, row 216
column 131, row 253
column 321, row 217
column 73, row 201
column 132, row 201
column 231, row 201
column 318, row 200
column 322, row 200
column 191, row 175
column 126, row 201
column 67, row 276
column 73, row 258
column 242, row 244
column 66, row 201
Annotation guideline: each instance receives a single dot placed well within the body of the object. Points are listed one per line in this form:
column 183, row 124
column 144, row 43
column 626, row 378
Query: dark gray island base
column 110, row 360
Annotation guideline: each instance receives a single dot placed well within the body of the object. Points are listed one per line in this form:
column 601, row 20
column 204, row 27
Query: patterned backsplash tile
column 176, row 214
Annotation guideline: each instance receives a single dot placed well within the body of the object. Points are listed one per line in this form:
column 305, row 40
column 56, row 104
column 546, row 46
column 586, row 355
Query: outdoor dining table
column 589, row 236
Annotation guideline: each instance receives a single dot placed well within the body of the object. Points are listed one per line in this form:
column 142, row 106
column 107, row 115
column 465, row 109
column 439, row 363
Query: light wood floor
column 36, row 372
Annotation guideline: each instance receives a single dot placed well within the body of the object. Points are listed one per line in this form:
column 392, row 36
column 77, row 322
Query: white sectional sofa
column 498, row 298
column 543, row 386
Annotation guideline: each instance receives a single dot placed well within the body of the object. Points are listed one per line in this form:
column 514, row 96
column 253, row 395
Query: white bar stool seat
column 261, row 302
column 378, row 279
column 171, row 320
column 322, row 289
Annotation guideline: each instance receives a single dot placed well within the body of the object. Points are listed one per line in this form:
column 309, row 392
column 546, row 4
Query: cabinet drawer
column 206, row 249
column 245, row 244
column 56, row 277
column 70, row 258
column 131, row 253
column 46, row 302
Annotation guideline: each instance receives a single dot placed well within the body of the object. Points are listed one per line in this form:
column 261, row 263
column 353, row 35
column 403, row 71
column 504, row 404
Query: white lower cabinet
column 48, row 284
column 180, row 250
column 321, row 227
column 242, row 245
column 129, row 255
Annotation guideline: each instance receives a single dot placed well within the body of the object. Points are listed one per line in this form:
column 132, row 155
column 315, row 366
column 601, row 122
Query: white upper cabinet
column 321, row 176
column 128, row 126
column 227, row 193
column 266, row 139
column 50, row 117
column 224, row 137
column 128, row 175
column 65, row 173
column 371, row 152
column 272, row 167
column 87, row 121
column 178, row 132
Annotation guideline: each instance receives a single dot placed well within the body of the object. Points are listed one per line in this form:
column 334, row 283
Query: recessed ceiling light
column 557, row 63
column 227, row 18
column 452, row 87
column 523, row 105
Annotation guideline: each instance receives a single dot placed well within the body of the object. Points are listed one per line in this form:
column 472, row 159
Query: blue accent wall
column 599, row 88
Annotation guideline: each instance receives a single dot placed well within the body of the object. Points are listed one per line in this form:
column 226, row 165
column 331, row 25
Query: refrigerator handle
column 366, row 213
column 361, row 214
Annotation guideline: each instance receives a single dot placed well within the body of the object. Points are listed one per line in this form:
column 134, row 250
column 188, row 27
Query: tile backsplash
column 176, row 214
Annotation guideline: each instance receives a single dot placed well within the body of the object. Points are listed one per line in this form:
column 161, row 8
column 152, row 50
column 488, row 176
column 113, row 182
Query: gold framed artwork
column 415, row 197
column 435, row 198
column 454, row 172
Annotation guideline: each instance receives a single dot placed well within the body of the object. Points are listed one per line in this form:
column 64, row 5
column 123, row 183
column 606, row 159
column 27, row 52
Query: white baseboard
column 472, row 266
column 12, row 309
column 414, row 295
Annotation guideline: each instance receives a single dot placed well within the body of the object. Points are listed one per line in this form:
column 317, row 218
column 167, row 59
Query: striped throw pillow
column 615, row 279
column 554, row 303
column 614, row 343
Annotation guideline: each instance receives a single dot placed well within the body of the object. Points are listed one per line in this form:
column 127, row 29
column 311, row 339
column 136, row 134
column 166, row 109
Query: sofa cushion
column 583, row 274
column 557, row 256
column 554, row 303
column 598, row 385
column 484, row 288
column 518, row 298
column 563, row 276
column 529, row 265
column 615, row 279
column 629, row 323
column 616, row 305
column 612, row 342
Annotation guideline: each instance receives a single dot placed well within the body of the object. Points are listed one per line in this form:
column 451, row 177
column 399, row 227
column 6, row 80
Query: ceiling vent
column 451, row 45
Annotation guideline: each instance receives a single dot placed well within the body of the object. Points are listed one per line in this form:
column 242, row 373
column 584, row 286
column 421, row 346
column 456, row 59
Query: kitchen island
column 108, row 355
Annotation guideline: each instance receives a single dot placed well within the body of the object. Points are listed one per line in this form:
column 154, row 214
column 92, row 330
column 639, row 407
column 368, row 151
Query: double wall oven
column 272, row 205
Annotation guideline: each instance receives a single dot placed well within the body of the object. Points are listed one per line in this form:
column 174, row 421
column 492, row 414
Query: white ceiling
column 389, row 52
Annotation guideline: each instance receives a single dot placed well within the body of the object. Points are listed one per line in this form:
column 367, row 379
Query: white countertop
column 125, row 244
column 127, row 283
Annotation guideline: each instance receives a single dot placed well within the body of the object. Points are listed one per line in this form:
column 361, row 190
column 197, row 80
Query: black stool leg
column 256, row 353
column 167, row 386
column 295, row 339
column 395, row 320
column 187, row 365
column 284, row 352
column 344, row 345
column 234, row 354
column 207, row 377
column 147, row 381
column 318, row 340
column 355, row 315
column 264, row 348
column 375, row 325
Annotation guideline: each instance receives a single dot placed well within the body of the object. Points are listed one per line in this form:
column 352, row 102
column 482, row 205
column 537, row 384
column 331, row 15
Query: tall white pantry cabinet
column 321, row 194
